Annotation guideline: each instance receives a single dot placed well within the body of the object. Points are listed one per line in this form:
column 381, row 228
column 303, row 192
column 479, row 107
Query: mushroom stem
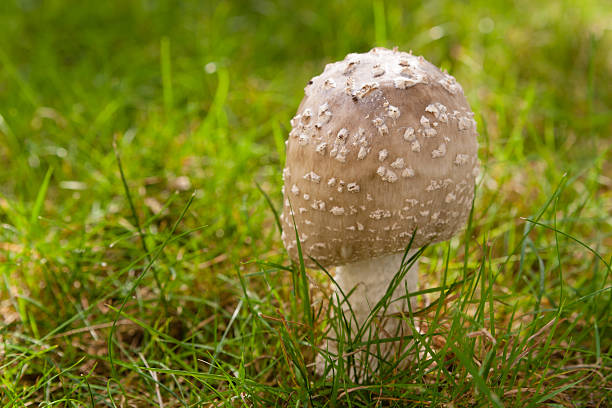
column 370, row 279
column 367, row 282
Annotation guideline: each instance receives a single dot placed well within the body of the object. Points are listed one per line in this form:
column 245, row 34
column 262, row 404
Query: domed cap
column 383, row 144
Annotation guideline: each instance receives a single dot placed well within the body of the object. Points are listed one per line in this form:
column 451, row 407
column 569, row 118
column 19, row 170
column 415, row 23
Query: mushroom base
column 367, row 282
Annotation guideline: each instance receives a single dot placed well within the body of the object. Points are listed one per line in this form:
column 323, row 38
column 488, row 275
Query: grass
column 141, row 265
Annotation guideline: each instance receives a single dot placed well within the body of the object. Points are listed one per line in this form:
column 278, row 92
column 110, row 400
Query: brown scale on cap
column 393, row 151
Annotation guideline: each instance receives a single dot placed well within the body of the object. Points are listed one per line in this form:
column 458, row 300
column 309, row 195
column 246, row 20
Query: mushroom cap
column 383, row 144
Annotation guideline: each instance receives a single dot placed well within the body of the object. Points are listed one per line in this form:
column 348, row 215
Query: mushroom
column 384, row 145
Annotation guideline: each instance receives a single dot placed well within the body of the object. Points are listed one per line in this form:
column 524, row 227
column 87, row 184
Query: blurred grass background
column 197, row 96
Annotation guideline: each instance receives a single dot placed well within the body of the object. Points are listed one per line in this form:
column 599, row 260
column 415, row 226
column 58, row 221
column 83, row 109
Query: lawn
column 141, row 150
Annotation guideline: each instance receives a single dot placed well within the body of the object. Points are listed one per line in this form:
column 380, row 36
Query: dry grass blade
column 153, row 374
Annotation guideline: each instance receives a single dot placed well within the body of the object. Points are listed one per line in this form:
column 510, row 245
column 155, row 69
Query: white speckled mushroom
column 419, row 127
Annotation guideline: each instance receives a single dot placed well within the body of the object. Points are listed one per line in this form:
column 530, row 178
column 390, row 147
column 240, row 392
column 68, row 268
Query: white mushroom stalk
column 360, row 288
column 383, row 144
column 367, row 283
